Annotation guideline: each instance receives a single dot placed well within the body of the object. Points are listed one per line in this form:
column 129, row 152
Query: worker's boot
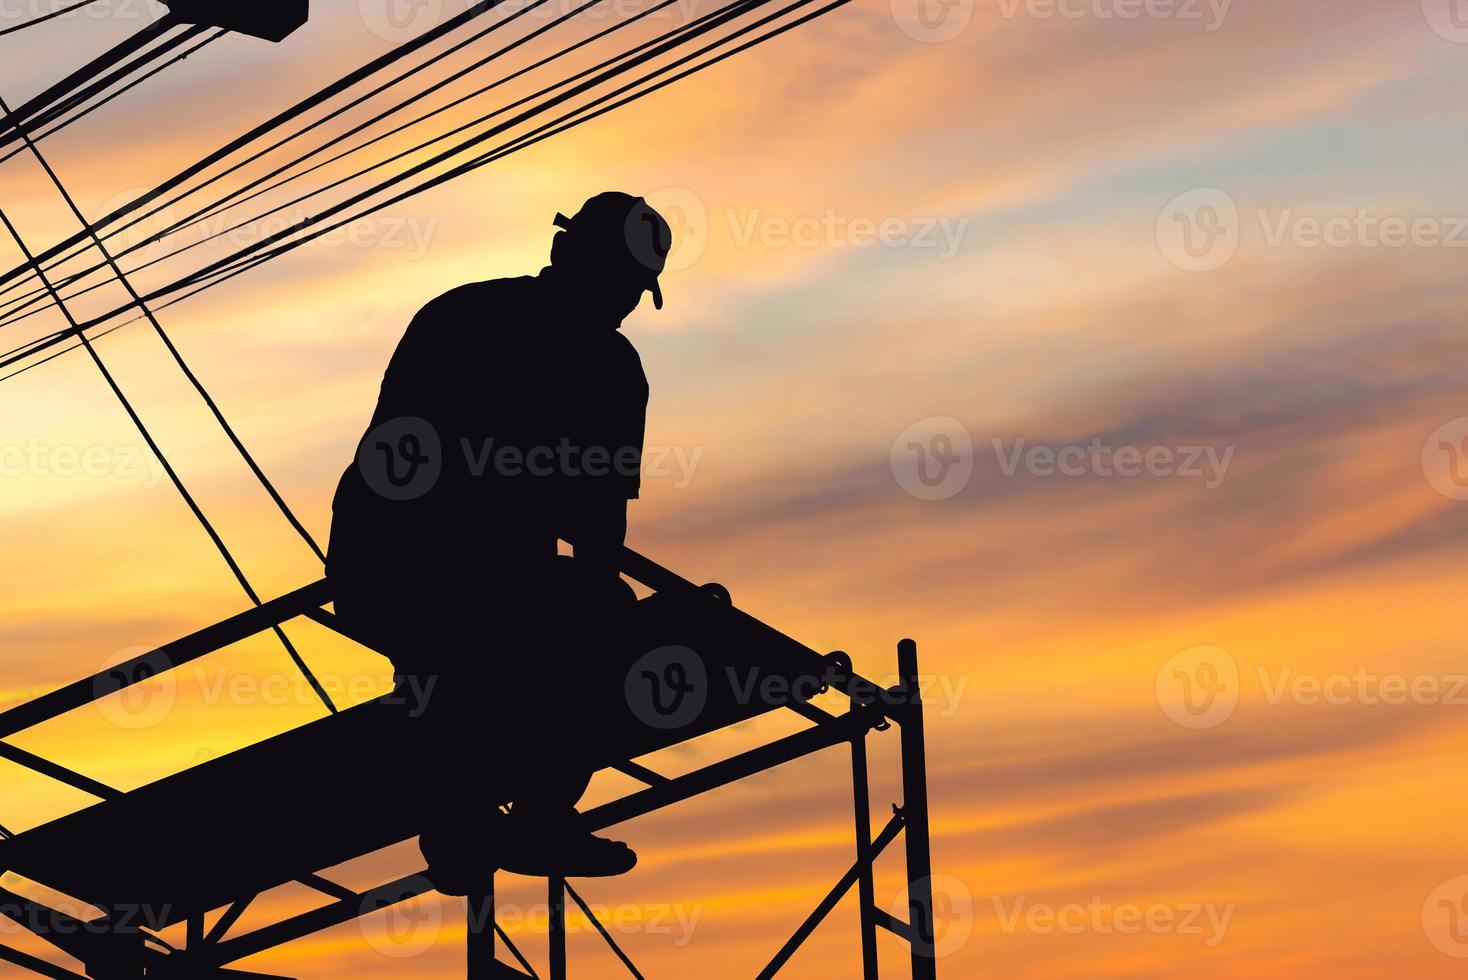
column 553, row 842
column 461, row 861
column 537, row 842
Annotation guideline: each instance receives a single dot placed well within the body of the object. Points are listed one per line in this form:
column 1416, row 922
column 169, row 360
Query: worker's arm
column 597, row 533
column 599, row 517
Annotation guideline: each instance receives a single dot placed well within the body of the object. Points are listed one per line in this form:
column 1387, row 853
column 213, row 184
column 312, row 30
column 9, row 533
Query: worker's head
column 613, row 250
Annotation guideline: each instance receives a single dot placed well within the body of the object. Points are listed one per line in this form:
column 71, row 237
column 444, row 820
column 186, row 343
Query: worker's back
column 502, row 413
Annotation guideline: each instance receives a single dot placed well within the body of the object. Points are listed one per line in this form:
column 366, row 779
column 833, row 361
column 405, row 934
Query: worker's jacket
column 501, row 415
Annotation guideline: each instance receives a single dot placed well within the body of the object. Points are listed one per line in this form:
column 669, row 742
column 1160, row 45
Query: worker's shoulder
column 478, row 300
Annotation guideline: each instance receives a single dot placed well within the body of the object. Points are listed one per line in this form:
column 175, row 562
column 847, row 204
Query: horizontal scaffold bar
column 164, row 658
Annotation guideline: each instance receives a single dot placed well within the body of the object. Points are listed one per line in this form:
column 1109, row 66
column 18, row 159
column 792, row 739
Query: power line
column 576, row 118
column 177, row 356
column 29, row 344
column 241, row 164
column 32, row 346
column 142, row 427
column 699, row 27
column 60, row 334
column 44, row 115
column 157, row 450
column 243, row 259
column 204, row 214
column 65, row 350
column 564, row 123
column 88, row 110
column 87, row 73
column 70, row 101
column 275, row 122
column 16, row 315
column 39, row 296
column 210, row 210
column 29, row 299
column 52, row 15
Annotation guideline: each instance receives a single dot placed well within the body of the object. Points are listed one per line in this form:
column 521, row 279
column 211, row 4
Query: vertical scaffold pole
column 480, row 909
column 865, row 890
column 556, row 894
column 915, row 808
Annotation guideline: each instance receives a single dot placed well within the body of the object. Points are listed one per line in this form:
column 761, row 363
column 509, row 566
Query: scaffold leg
column 915, row 807
column 556, row 898
column 865, row 889
column 480, row 911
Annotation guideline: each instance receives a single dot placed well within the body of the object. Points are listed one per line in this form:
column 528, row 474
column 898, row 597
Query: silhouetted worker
column 511, row 415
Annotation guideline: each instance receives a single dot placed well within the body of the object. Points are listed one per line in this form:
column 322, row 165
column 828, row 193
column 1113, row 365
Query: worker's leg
column 479, row 676
column 576, row 626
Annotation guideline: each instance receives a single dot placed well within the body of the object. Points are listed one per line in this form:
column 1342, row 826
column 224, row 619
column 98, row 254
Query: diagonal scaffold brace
column 209, row 953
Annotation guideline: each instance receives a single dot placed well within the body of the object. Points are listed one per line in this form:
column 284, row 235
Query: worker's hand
column 601, row 600
column 599, row 529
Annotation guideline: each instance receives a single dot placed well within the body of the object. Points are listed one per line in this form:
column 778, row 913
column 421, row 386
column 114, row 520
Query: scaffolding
column 100, row 848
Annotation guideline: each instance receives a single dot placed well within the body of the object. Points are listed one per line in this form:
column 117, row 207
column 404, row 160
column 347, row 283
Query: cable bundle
column 290, row 149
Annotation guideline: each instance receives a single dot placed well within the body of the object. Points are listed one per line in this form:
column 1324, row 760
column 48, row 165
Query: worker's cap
column 621, row 229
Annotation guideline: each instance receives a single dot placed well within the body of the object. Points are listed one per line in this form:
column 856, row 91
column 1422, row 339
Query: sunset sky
column 1212, row 245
